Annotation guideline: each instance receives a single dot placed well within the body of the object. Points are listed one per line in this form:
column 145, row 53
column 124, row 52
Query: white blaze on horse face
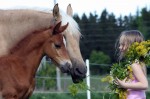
column 64, row 40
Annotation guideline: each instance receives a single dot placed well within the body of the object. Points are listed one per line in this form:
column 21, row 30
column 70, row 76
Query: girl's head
column 125, row 39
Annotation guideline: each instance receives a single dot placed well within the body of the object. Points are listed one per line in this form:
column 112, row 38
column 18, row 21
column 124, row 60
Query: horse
column 18, row 69
column 16, row 24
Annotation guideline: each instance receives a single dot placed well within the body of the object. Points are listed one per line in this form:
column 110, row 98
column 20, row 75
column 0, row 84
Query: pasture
column 98, row 88
column 46, row 86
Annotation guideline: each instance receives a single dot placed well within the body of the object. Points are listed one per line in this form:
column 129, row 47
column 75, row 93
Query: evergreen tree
column 100, row 33
column 146, row 22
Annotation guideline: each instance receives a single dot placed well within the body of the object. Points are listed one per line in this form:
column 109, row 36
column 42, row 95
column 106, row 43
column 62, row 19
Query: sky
column 118, row 7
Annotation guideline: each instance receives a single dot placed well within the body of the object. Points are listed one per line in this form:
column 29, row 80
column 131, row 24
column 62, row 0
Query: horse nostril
column 62, row 69
column 68, row 65
column 78, row 71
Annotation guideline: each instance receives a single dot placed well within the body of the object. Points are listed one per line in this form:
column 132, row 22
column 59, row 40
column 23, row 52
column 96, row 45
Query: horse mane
column 73, row 27
column 23, row 13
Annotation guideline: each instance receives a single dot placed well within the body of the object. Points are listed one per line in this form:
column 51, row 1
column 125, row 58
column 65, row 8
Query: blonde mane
column 73, row 25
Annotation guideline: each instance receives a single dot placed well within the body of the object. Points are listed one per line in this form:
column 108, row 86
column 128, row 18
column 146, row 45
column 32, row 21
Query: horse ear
column 69, row 10
column 59, row 29
column 62, row 28
column 56, row 28
column 56, row 13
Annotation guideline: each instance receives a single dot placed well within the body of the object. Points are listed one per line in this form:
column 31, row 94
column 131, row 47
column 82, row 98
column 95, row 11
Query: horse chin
column 76, row 79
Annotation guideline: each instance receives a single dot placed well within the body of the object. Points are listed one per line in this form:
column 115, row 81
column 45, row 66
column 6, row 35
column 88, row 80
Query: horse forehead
column 58, row 38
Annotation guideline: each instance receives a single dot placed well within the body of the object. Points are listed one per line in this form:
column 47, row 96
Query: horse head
column 54, row 47
column 72, row 36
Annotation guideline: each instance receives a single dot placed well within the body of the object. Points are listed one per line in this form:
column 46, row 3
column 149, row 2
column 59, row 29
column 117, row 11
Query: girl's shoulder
column 136, row 65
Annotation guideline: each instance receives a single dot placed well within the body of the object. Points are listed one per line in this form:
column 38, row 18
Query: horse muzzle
column 66, row 67
column 78, row 73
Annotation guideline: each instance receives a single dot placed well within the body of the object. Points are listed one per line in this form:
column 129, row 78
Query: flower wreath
column 137, row 52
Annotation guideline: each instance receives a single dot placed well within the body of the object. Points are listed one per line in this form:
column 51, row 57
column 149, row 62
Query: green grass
column 78, row 96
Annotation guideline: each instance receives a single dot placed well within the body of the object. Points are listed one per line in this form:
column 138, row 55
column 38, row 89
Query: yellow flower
column 129, row 68
column 143, row 42
column 136, row 44
column 117, row 90
column 141, row 50
column 131, row 76
column 148, row 48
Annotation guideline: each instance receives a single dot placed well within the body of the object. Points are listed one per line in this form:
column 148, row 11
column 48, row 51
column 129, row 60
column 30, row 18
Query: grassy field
column 78, row 96
column 69, row 96
column 95, row 84
column 98, row 90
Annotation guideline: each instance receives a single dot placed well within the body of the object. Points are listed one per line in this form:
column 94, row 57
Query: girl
column 136, row 88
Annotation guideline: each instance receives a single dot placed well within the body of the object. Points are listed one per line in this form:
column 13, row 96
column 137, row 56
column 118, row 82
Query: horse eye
column 57, row 46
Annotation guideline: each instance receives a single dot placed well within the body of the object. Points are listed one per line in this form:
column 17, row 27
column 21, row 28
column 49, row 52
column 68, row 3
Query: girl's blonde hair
column 126, row 38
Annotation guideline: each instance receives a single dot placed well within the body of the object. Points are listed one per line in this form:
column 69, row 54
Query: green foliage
column 49, row 70
column 99, row 57
column 79, row 96
column 75, row 88
column 145, row 19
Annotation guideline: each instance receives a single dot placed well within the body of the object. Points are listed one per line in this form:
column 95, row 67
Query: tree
column 100, row 33
column 146, row 22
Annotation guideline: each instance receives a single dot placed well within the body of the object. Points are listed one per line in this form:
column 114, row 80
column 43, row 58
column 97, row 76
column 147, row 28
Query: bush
column 100, row 63
column 49, row 70
column 99, row 57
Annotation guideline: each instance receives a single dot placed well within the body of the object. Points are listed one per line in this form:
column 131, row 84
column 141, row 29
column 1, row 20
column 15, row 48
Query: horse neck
column 30, row 50
column 19, row 23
